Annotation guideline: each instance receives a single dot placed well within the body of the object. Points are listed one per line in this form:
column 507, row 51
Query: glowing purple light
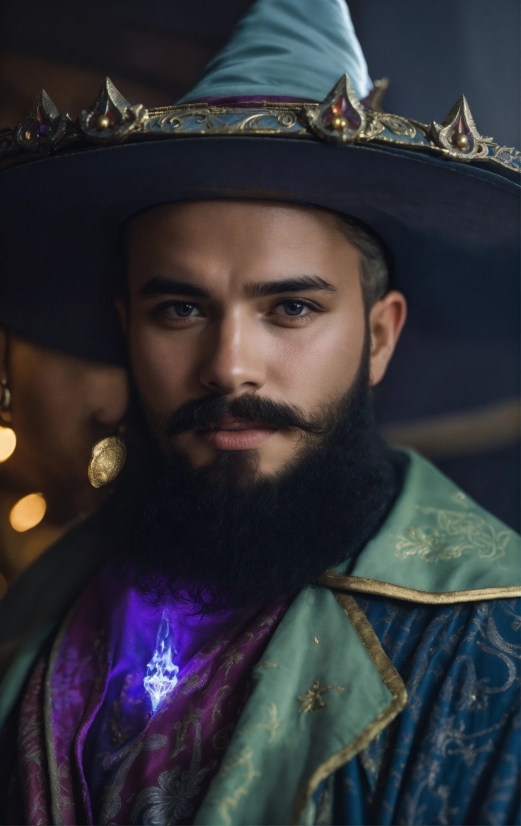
column 161, row 676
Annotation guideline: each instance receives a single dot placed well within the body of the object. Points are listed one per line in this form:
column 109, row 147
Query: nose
column 233, row 359
column 108, row 394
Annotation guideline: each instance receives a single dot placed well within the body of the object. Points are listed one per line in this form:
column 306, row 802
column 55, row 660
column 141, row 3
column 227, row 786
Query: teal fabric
column 437, row 539
column 290, row 48
column 278, row 744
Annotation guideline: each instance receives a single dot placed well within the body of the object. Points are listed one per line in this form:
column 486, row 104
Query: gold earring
column 7, row 434
column 107, row 460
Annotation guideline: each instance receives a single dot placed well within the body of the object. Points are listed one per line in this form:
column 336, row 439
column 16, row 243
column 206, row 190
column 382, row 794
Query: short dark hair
column 374, row 273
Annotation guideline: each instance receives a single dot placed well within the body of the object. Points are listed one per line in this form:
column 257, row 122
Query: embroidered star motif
column 312, row 699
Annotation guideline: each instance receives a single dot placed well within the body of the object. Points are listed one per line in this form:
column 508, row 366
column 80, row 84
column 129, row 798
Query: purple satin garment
column 90, row 748
column 253, row 101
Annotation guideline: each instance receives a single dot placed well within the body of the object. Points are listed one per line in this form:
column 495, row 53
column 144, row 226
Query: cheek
column 162, row 364
column 321, row 363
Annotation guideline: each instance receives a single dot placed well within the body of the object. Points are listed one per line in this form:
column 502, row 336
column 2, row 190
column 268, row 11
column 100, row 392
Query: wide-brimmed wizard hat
column 285, row 112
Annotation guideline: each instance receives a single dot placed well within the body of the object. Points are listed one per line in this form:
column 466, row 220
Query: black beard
column 220, row 537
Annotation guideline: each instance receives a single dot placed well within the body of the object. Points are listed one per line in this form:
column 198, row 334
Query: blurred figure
column 58, row 408
column 54, row 408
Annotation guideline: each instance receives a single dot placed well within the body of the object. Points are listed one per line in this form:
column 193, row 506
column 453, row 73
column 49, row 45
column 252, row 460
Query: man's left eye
column 292, row 307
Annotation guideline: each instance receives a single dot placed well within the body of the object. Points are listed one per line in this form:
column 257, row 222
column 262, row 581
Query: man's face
column 230, row 298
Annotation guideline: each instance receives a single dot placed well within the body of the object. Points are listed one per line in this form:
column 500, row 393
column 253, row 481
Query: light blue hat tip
column 288, row 48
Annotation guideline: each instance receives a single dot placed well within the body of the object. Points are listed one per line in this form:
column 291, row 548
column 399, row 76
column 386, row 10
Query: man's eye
column 181, row 309
column 293, row 307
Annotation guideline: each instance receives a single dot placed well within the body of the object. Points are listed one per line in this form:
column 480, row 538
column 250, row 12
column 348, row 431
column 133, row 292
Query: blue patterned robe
column 453, row 755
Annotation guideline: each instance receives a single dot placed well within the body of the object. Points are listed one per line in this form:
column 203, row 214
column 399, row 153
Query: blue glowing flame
column 161, row 676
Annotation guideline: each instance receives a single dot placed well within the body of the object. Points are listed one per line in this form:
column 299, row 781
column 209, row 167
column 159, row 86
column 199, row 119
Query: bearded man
column 294, row 622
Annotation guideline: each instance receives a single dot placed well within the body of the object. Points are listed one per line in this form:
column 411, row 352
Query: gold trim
column 391, row 680
column 362, row 585
column 112, row 119
column 54, row 780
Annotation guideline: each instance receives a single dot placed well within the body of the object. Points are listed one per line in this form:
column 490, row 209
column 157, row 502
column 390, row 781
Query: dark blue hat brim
column 452, row 230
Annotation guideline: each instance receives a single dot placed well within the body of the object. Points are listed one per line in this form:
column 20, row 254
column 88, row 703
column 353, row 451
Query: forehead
column 249, row 238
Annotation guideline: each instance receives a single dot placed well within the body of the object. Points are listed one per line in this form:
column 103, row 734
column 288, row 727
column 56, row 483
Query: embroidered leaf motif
column 453, row 534
column 170, row 801
column 312, row 699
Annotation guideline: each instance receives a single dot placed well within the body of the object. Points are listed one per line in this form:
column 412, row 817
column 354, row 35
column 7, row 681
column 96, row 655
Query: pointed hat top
column 287, row 48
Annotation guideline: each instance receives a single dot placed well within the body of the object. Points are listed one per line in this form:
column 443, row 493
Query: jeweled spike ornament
column 458, row 134
column 44, row 128
column 111, row 117
column 341, row 117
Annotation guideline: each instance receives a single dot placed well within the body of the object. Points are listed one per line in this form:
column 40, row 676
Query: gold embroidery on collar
column 363, row 585
column 312, row 699
column 391, row 680
column 454, row 533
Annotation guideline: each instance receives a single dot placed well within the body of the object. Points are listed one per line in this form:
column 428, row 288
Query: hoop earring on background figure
column 107, row 460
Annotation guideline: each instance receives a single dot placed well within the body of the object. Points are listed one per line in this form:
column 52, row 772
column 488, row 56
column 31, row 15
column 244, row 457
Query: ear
column 386, row 321
column 122, row 310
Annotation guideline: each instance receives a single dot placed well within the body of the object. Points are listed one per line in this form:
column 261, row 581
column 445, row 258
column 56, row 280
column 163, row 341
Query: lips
column 235, row 434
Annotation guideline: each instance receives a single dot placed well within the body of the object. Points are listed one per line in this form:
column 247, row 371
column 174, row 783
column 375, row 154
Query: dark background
column 432, row 52
column 154, row 51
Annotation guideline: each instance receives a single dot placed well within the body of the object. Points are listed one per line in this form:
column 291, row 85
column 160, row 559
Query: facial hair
column 221, row 537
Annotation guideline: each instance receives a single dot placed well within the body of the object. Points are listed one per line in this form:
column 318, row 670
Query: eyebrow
column 162, row 285
column 288, row 285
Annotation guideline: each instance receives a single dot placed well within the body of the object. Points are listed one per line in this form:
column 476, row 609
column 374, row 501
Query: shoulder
column 437, row 540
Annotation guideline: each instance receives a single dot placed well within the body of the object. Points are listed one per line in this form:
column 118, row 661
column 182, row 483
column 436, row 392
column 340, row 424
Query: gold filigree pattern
column 340, row 118
column 213, row 119
column 312, row 699
column 379, row 122
column 454, row 533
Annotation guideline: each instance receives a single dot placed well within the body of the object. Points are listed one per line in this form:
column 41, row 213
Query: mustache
column 201, row 413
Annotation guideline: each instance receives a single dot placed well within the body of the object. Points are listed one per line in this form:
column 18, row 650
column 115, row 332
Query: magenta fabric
column 254, row 101
column 87, row 727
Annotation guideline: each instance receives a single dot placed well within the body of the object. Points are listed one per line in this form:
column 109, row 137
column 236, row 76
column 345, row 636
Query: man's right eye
column 180, row 309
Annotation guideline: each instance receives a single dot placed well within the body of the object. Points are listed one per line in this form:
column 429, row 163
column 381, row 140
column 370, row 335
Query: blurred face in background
column 61, row 406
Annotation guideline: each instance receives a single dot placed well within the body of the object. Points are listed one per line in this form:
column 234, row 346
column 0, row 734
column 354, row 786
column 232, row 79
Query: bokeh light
column 7, row 443
column 28, row 512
